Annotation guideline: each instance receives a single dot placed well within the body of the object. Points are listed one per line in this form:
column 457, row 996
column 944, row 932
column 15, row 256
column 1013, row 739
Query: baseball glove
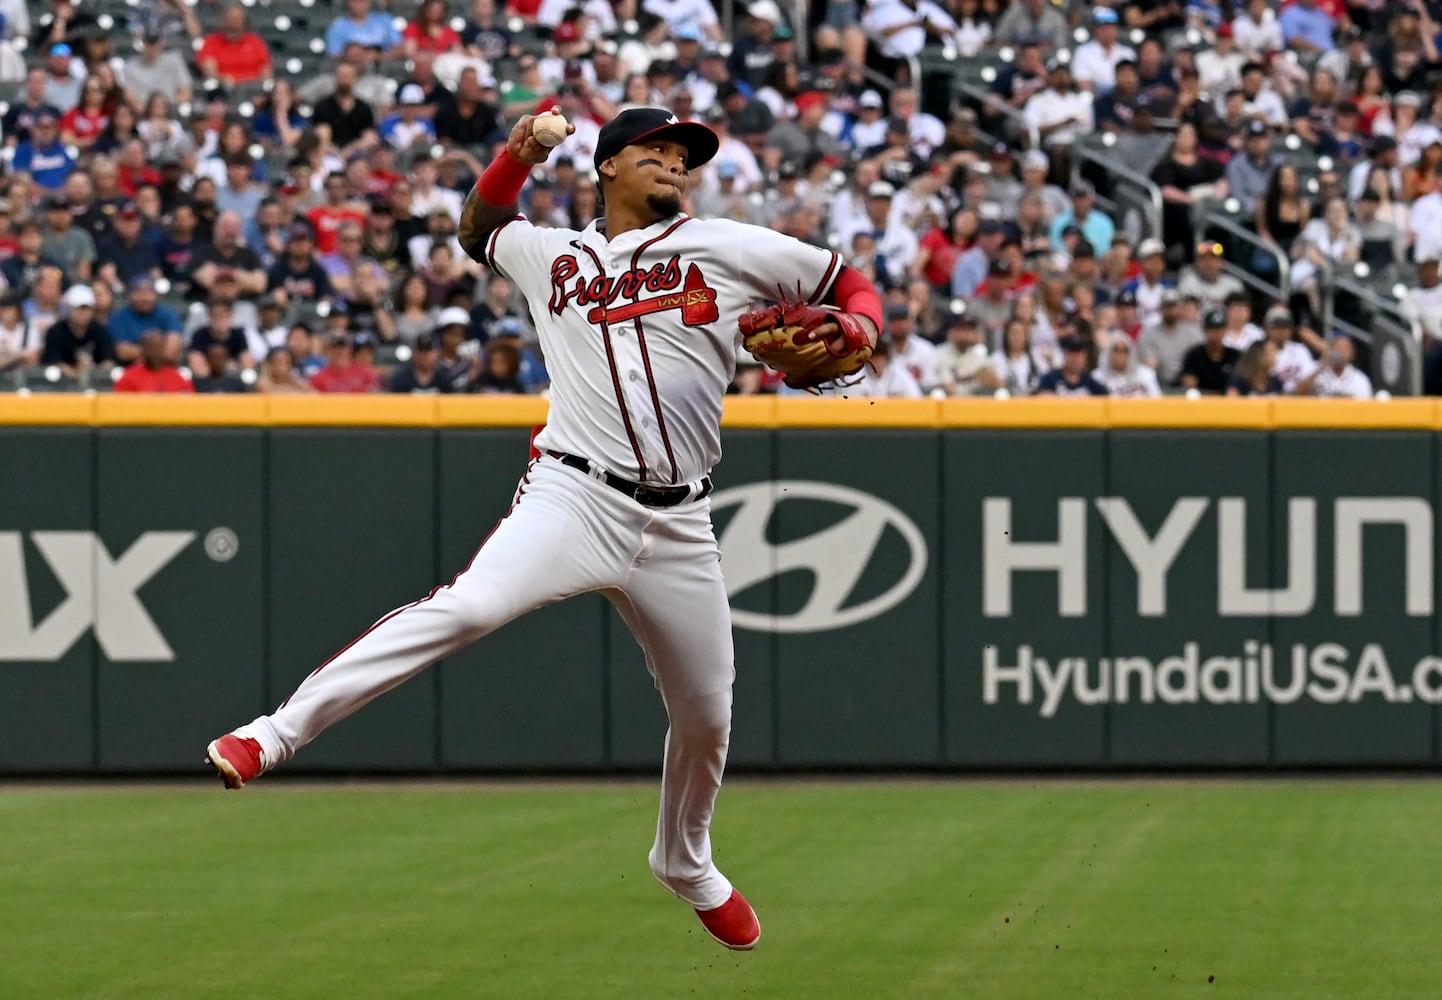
column 785, row 337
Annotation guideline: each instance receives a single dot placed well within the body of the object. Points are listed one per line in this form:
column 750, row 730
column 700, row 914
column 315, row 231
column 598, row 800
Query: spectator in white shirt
column 1241, row 333
column 1259, row 100
column 1119, row 371
column 1205, row 280
column 427, row 195
column 1422, row 304
column 1325, row 244
column 1220, row 69
column 1412, row 135
column 1336, row 377
column 885, row 378
column 962, row 359
column 1016, row 363
column 924, row 131
column 895, row 243
column 1425, row 224
column 909, row 350
column 1094, row 63
column 697, row 15
column 1293, row 359
column 1383, row 153
column 904, row 26
column 1152, row 283
column 1060, row 113
column 869, row 128
column 1256, row 31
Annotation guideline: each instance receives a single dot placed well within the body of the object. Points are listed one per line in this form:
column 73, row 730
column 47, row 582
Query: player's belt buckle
column 652, row 496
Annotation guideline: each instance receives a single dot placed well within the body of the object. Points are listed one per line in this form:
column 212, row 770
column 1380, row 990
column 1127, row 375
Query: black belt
column 642, row 493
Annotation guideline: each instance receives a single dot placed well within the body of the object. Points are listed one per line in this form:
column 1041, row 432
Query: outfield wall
column 1034, row 583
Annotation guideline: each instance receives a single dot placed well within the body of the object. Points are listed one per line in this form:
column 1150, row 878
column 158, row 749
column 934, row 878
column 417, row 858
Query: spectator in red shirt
column 526, row 10
column 363, row 363
column 9, row 235
column 233, row 54
column 341, row 372
column 940, row 248
column 429, row 32
column 153, row 372
column 135, row 171
column 82, row 124
column 326, row 219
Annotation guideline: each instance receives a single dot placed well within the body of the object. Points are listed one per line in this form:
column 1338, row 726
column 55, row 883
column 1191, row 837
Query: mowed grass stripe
column 866, row 889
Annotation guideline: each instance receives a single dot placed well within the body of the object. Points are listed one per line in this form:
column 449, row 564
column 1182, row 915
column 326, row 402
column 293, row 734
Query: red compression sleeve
column 854, row 294
column 502, row 181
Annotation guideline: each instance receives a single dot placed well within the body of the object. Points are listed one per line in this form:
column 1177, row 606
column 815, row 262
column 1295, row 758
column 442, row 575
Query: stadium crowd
column 264, row 197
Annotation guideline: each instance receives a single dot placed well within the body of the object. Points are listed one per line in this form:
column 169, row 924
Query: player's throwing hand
column 522, row 142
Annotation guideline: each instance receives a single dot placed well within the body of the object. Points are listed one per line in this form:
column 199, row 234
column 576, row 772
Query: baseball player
column 639, row 317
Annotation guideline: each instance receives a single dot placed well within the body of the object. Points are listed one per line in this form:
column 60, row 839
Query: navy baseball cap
column 635, row 124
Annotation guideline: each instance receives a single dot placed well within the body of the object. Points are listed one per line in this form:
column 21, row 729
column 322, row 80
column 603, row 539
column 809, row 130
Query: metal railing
column 883, row 83
column 1281, row 288
column 1019, row 125
column 1130, row 191
column 1393, row 339
column 798, row 12
column 1389, row 338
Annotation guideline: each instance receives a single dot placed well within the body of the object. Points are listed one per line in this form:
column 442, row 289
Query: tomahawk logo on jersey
column 697, row 300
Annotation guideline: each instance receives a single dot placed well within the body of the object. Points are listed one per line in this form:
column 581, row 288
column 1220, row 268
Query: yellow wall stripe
column 127, row 410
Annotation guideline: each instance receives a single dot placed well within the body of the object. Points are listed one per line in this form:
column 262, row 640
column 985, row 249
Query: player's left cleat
column 237, row 759
column 733, row 923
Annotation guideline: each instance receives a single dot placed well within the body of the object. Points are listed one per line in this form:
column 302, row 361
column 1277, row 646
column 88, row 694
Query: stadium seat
column 386, row 356
column 48, row 378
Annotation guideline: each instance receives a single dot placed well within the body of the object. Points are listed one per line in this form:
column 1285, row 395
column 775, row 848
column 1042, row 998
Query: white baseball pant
column 566, row 534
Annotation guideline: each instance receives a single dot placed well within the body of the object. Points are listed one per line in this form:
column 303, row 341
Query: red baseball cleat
column 236, row 758
column 733, row 923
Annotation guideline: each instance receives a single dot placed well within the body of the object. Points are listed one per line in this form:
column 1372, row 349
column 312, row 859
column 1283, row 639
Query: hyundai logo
column 836, row 555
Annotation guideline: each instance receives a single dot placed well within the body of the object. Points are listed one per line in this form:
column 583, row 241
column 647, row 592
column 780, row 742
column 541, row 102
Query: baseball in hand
column 549, row 128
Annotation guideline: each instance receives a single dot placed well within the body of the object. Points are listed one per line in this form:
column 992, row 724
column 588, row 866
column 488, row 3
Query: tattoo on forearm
column 478, row 220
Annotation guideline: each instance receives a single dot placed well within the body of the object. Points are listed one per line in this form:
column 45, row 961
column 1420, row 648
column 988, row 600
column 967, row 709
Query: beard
column 665, row 205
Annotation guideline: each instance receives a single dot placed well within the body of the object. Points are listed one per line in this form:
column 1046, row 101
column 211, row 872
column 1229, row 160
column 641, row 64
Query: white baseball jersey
column 1137, row 380
column 918, row 356
column 682, row 14
column 1293, row 362
column 1349, row 384
column 1244, row 338
column 640, row 332
column 892, row 382
column 1095, row 64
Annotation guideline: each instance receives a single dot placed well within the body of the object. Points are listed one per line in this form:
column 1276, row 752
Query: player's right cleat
column 237, row 759
column 733, row 923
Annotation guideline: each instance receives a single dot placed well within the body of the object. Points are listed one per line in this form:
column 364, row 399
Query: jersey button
column 634, row 376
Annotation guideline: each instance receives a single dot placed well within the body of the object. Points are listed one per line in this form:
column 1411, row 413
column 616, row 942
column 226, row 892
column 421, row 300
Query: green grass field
column 1144, row 888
